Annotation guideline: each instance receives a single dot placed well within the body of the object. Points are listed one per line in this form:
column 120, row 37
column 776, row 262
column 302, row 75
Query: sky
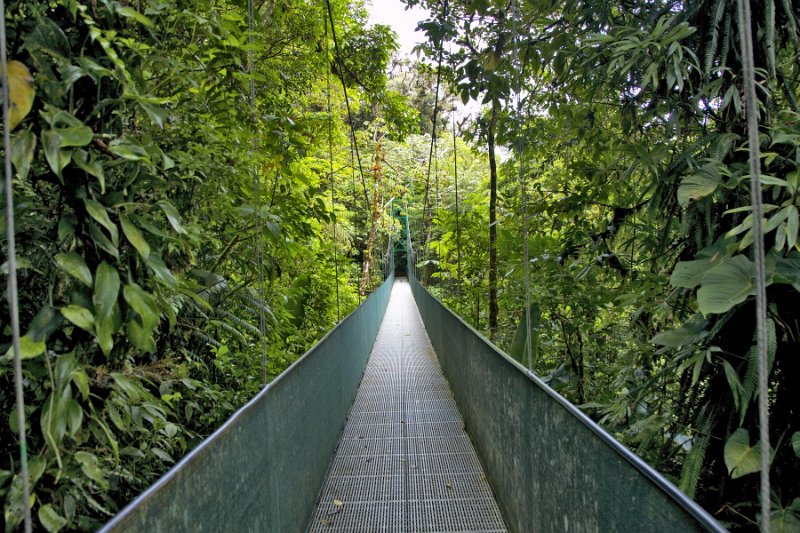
column 402, row 21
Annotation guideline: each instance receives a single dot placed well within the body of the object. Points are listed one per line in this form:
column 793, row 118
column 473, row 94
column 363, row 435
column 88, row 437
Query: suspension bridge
column 405, row 419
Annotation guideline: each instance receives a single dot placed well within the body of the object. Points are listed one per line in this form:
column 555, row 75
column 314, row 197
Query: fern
column 724, row 145
column 726, row 40
column 711, row 49
column 693, row 464
column 769, row 35
column 239, row 323
column 750, row 382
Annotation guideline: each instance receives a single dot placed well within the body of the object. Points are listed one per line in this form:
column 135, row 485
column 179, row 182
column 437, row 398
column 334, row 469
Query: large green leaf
column 73, row 264
column 134, row 236
column 106, row 290
column 80, row 316
column 23, row 146
column 689, row 333
column 99, row 213
column 56, row 157
column 741, row 458
column 699, row 185
column 50, row 519
column 28, row 348
column 143, row 303
column 91, row 468
column 726, row 284
column 689, row 274
column 796, row 443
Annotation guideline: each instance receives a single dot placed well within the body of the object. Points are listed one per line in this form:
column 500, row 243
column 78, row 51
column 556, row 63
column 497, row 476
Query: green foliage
column 143, row 178
column 637, row 186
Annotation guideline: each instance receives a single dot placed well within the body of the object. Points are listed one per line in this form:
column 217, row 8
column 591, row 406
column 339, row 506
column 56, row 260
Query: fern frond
column 769, row 35
column 717, row 10
column 221, row 324
column 750, row 382
column 724, row 144
column 693, row 464
column 726, row 40
column 242, row 325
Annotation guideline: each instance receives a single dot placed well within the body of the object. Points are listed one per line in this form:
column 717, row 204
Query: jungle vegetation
column 197, row 202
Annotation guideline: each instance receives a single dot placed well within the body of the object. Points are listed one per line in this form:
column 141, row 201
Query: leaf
column 741, row 458
column 796, row 443
column 161, row 271
column 699, row 185
column 80, row 316
column 172, row 216
column 90, row 467
column 143, row 303
column 689, row 333
column 28, row 348
column 101, row 240
column 129, row 12
column 23, row 146
column 73, row 264
column 74, row 417
column 726, row 284
column 134, row 236
column 104, row 331
column 50, row 519
column 161, row 454
column 74, row 136
column 56, row 158
column 130, row 149
column 99, row 213
column 92, row 167
column 141, row 338
column 689, row 274
column 106, row 290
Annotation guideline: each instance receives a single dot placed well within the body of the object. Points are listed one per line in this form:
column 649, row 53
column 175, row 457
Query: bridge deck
column 404, row 462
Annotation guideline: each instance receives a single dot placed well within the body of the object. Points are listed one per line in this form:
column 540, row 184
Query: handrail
column 263, row 468
column 550, row 465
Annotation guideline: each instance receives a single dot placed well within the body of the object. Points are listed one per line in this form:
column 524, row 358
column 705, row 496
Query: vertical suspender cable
column 262, row 326
column 330, row 160
column 347, row 100
column 524, row 187
column 433, row 126
column 458, row 225
column 13, row 300
column 751, row 109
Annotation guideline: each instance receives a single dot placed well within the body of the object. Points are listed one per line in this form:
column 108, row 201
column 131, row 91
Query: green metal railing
column 551, row 467
column 263, row 469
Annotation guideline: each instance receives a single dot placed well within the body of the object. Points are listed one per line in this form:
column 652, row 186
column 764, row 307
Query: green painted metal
column 263, row 469
column 550, row 466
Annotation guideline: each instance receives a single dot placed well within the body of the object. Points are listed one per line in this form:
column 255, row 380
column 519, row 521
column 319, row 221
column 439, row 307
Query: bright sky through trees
column 403, row 21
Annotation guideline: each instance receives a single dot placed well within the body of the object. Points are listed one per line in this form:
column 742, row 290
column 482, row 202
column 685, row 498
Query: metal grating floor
column 404, row 462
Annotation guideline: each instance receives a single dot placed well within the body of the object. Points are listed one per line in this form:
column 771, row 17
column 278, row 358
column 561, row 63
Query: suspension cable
column 433, row 125
column 13, row 297
column 347, row 100
column 458, row 225
column 330, row 160
column 748, row 64
column 523, row 182
column 262, row 325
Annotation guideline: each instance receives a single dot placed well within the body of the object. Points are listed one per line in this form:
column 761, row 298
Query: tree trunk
column 373, row 227
column 493, row 309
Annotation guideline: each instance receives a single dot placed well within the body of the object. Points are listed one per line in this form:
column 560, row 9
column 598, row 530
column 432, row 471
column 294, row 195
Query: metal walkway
column 404, row 462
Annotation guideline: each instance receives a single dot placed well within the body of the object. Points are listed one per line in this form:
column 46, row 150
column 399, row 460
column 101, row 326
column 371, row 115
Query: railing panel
column 263, row 469
column 550, row 466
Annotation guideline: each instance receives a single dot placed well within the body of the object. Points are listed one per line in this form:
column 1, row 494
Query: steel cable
column 751, row 110
column 13, row 297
